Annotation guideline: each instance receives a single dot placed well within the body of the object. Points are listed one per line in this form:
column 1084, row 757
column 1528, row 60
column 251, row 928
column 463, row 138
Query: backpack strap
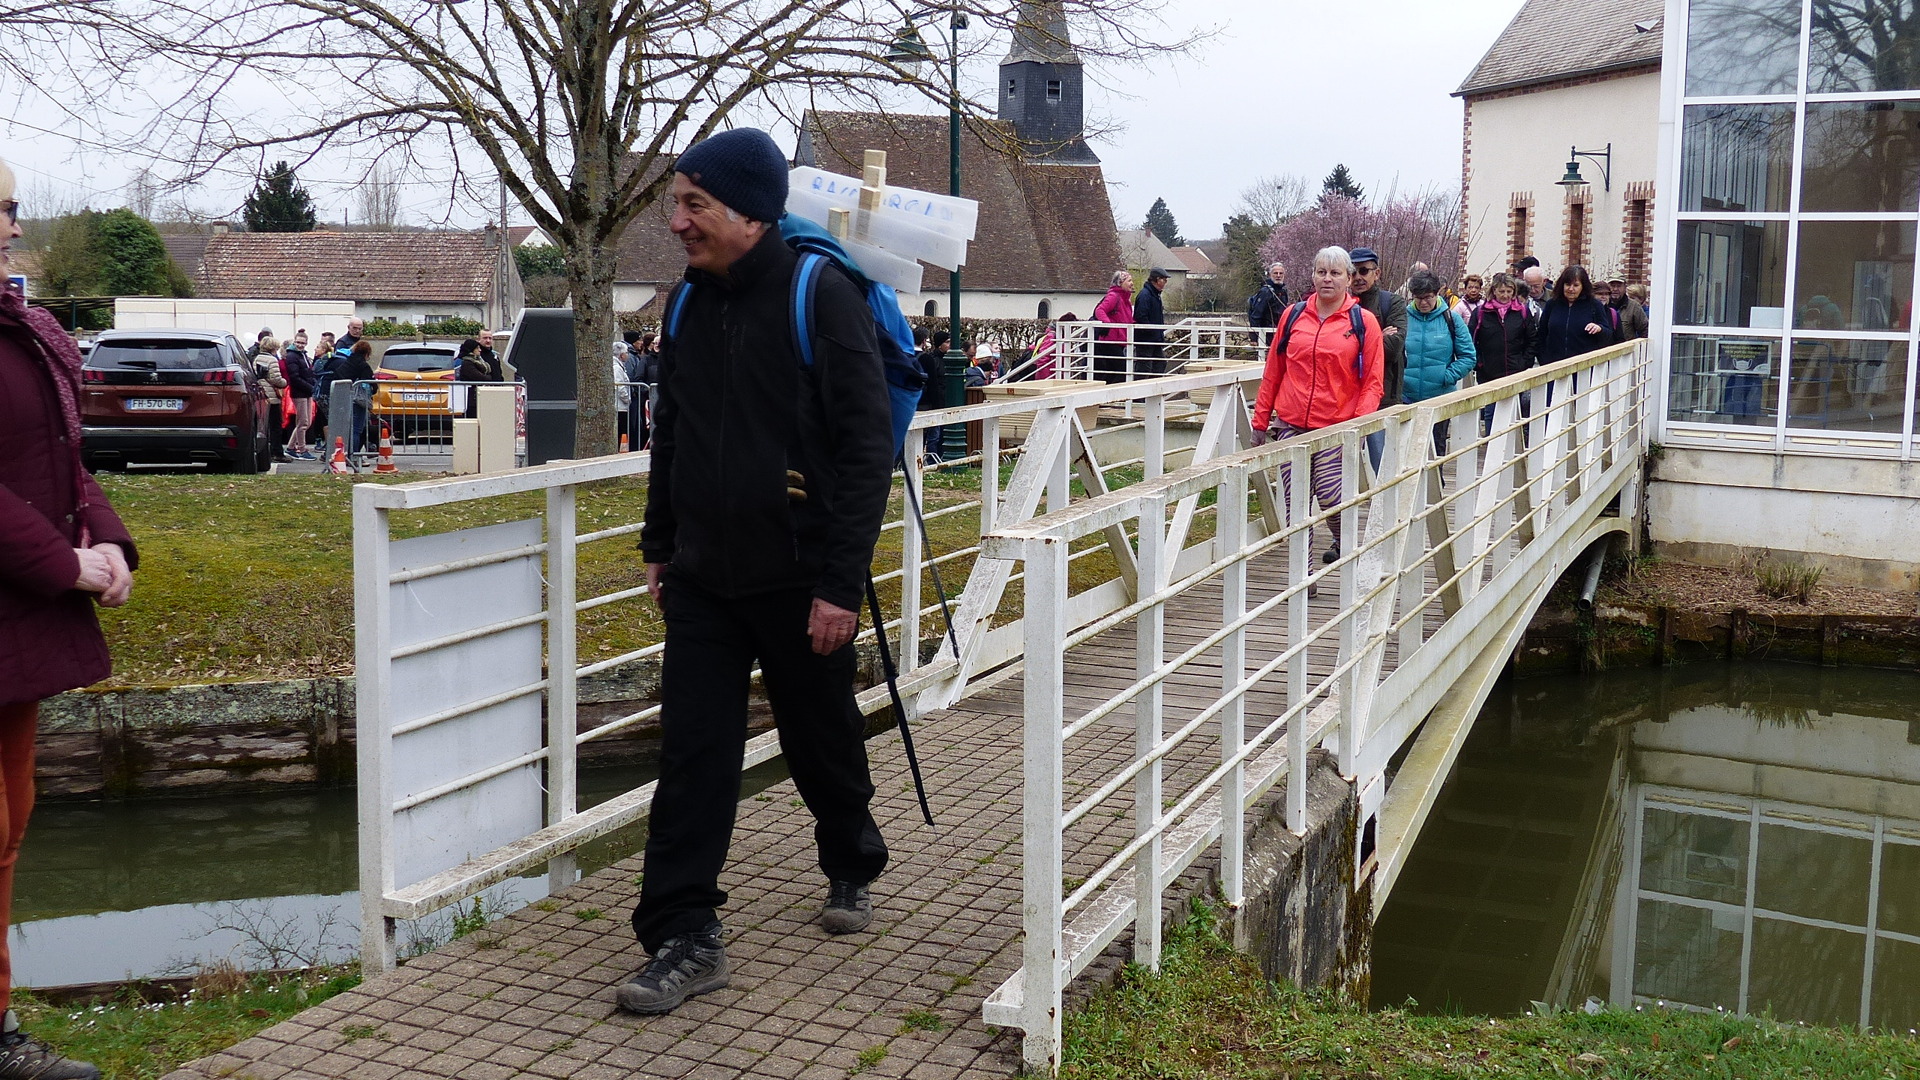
column 1286, row 331
column 676, row 308
column 1357, row 314
column 806, row 282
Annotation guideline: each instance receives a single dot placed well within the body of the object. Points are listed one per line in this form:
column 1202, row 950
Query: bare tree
column 1271, row 200
column 143, row 192
column 379, row 197
column 578, row 107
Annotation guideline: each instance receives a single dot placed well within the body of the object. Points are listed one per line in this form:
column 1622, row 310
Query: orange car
column 411, row 379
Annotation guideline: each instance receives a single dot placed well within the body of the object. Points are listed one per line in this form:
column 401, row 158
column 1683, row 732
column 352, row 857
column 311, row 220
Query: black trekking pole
column 893, row 688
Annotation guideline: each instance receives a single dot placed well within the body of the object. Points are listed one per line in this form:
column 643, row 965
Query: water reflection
column 108, row 891
column 1744, row 837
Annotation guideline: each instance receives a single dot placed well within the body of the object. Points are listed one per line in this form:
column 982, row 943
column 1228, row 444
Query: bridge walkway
column 532, row 994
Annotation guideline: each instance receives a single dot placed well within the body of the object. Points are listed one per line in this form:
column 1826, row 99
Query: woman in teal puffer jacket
column 1439, row 348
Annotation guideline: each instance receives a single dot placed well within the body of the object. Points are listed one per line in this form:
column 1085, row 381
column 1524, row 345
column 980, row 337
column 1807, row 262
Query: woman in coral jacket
column 1319, row 375
column 62, row 549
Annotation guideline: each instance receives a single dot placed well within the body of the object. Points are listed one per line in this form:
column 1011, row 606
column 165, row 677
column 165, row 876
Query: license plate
column 156, row 404
column 415, row 395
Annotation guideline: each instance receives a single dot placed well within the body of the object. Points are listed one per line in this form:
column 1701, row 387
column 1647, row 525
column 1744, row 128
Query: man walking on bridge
column 770, row 478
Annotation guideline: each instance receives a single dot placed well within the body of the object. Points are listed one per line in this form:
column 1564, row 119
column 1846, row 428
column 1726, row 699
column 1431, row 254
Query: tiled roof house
column 1564, row 75
column 407, row 276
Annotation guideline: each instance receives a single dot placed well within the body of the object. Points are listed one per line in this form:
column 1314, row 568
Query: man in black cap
column 769, row 481
column 1149, row 315
column 1391, row 310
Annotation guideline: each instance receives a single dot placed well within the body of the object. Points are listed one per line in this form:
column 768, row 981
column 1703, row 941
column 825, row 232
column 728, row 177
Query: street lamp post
column 908, row 48
column 953, row 440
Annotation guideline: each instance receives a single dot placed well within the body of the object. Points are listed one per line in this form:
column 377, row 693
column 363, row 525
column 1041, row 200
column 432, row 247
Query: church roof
column 1043, row 228
column 1559, row 39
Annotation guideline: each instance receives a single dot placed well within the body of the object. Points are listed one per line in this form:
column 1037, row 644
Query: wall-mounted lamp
column 1602, row 158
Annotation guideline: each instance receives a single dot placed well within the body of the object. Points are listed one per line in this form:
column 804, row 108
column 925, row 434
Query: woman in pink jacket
column 1115, row 316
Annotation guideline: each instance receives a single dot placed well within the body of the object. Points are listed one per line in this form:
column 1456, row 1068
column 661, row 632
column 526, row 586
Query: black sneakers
column 849, row 909
column 686, row 965
column 23, row 1057
column 1332, row 555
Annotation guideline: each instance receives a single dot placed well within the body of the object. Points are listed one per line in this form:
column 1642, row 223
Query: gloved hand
column 1262, row 438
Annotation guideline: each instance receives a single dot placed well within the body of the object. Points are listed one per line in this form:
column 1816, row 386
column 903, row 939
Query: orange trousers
column 17, row 726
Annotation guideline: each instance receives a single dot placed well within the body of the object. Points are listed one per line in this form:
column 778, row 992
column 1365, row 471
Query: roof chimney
column 222, row 227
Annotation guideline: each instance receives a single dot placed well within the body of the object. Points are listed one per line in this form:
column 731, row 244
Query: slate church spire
column 1043, row 87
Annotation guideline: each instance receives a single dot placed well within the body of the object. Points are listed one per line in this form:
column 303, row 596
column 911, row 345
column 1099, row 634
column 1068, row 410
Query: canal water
column 1718, row 836
column 117, row 890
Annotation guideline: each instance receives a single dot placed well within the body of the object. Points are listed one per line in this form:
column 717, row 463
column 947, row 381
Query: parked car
column 173, row 396
column 411, row 381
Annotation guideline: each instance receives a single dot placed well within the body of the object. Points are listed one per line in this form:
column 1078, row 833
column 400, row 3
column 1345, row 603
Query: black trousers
column 712, row 643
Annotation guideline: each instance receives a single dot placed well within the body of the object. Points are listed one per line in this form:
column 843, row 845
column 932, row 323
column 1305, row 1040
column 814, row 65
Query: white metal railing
column 1061, row 455
column 1080, row 349
column 1442, row 550
column 418, row 414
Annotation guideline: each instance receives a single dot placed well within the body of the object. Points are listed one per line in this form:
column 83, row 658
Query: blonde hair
column 269, row 344
column 7, row 180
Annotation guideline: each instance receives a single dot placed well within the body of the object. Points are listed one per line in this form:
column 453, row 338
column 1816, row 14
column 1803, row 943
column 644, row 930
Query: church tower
column 1043, row 87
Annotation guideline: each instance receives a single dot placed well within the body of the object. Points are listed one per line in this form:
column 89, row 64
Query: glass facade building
column 1789, row 250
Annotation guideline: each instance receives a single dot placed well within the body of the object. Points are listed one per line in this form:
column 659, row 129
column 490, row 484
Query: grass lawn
column 133, row 1039
column 251, row 577
column 1209, row 1014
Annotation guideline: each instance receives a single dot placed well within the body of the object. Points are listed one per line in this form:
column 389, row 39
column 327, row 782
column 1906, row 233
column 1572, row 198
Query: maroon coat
column 50, row 640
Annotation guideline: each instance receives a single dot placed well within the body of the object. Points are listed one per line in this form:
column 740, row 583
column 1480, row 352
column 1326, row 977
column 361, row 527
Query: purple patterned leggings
column 1323, row 474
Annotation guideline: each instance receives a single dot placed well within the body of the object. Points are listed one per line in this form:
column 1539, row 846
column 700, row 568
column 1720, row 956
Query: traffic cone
column 385, row 464
column 339, row 462
column 623, row 443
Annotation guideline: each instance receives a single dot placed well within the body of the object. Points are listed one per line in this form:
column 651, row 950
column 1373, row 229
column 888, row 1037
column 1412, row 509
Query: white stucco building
column 1784, row 286
column 1564, row 75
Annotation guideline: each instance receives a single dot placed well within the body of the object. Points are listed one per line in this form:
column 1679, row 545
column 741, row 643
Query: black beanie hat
column 743, row 169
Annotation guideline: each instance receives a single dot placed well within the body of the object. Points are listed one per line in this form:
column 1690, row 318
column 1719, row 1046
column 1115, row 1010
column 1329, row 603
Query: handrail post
column 1150, row 636
column 1299, row 567
column 1153, row 437
column 1231, row 531
column 373, row 664
column 1045, row 610
column 1351, row 449
column 562, row 667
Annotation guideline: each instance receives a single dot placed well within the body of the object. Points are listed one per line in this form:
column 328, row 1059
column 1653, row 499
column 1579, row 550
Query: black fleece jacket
column 738, row 410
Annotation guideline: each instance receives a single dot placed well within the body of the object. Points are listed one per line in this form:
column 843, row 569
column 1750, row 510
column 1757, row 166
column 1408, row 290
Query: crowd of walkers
column 299, row 373
column 1353, row 347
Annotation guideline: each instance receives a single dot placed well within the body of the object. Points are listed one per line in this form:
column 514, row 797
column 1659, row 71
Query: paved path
column 532, row 994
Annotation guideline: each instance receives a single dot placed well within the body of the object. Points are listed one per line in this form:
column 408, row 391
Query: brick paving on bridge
column 532, row 994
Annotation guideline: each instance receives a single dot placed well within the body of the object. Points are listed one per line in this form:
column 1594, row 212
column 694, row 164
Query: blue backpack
column 816, row 247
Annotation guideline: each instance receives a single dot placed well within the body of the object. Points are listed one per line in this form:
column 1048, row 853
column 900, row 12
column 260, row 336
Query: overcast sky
column 1282, row 88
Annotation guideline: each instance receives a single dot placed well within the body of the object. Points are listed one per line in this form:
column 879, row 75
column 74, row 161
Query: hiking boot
column 1332, row 555
column 23, row 1057
column 849, row 909
column 686, row 965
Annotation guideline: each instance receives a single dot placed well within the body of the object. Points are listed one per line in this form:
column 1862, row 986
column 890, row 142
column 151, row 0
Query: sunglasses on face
column 1362, row 271
column 12, row 209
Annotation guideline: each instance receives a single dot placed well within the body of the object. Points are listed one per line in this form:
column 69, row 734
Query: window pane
column 1736, row 157
column 1687, row 954
column 1848, row 385
column 1806, row 972
column 1723, row 380
column 1730, row 273
column 1861, row 156
column 1694, row 855
column 1854, row 275
column 1863, row 45
column 1742, row 46
column 1816, row 875
column 1896, row 985
column 1900, row 890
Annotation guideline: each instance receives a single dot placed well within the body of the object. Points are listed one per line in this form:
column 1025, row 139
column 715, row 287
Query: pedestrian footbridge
column 1146, row 645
